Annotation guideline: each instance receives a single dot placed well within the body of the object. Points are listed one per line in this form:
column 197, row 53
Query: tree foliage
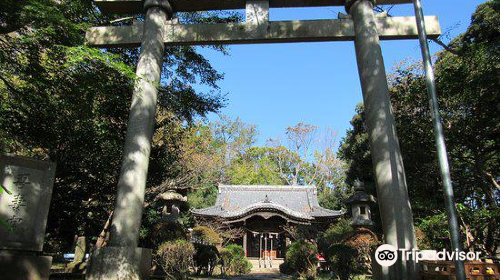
column 68, row 103
column 301, row 259
column 233, row 260
column 347, row 251
column 223, row 152
column 176, row 258
column 206, row 235
column 467, row 84
column 205, row 259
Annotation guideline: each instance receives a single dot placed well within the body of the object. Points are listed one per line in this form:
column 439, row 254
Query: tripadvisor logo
column 387, row 255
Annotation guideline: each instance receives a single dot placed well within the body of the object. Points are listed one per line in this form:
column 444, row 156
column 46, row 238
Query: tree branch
column 436, row 40
column 492, row 179
column 10, row 86
column 445, row 46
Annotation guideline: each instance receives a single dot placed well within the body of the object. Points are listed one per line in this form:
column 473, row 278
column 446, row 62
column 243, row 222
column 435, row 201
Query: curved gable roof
column 296, row 202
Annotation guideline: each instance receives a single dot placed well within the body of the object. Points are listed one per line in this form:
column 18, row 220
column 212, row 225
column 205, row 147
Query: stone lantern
column 171, row 208
column 358, row 206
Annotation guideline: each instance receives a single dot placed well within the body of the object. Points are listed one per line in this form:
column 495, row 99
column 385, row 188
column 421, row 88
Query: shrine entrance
column 265, row 238
column 161, row 28
column 266, row 245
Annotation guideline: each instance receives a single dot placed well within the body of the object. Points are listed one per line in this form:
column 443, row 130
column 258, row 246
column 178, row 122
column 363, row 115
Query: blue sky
column 278, row 85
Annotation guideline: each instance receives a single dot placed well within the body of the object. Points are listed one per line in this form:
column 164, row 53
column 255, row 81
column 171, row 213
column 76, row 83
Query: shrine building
column 264, row 211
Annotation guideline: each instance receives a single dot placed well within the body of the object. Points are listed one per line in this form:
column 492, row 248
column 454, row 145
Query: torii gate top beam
column 135, row 6
column 257, row 29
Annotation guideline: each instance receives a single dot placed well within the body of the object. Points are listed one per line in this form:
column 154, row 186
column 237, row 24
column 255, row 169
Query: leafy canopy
column 468, row 85
column 68, row 103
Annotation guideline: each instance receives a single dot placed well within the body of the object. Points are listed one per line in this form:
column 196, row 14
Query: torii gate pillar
column 392, row 192
column 122, row 259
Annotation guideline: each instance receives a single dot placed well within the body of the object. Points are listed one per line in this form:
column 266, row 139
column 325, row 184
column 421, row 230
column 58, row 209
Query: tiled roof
column 360, row 196
column 297, row 202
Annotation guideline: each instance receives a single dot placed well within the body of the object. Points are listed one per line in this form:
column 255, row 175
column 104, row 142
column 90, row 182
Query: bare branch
column 445, row 46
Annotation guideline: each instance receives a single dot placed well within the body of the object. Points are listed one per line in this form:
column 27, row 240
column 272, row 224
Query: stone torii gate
column 122, row 259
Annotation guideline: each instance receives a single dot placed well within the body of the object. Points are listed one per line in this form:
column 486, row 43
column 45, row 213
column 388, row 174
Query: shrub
column 205, row 258
column 334, row 234
column 233, row 260
column 435, row 232
column 164, row 231
column 357, row 243
column 176, row 258
column 364, row 241
column 344, row 261
column 301, row 258
column 286, row 269
column 225, row 261
column 206, row 235
column 160, row 233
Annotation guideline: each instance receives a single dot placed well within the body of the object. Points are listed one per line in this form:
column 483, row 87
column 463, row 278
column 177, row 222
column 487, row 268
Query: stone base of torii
column 122, row 259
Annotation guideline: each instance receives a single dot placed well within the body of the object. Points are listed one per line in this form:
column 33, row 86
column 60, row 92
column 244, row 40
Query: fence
column 474, row 270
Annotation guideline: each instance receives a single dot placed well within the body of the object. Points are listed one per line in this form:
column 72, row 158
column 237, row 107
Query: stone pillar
column 80, row 249
column 392, row 193
column 78, row 264
column 122, row 259
column 131, row 185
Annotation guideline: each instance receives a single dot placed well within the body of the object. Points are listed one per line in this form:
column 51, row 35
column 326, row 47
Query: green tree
column 256, row 167
column 467, row 83
column 355, row 150
column 208, row 151
column 224, row 152
column 68, row 103
column 233, row 260
column 301, row 258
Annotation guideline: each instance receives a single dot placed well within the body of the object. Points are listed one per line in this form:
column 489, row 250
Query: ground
column 241, row 277
column 253, row 277
column 260, row 277
column 271, row 276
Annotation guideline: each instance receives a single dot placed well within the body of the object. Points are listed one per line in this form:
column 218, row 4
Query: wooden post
column 260, row 249
column 265, row 251
column 245, row 243
column 271, row 254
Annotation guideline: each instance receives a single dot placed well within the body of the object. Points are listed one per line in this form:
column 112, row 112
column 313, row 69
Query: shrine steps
column 265, row 267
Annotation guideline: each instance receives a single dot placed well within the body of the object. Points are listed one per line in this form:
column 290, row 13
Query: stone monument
column 26, row 189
